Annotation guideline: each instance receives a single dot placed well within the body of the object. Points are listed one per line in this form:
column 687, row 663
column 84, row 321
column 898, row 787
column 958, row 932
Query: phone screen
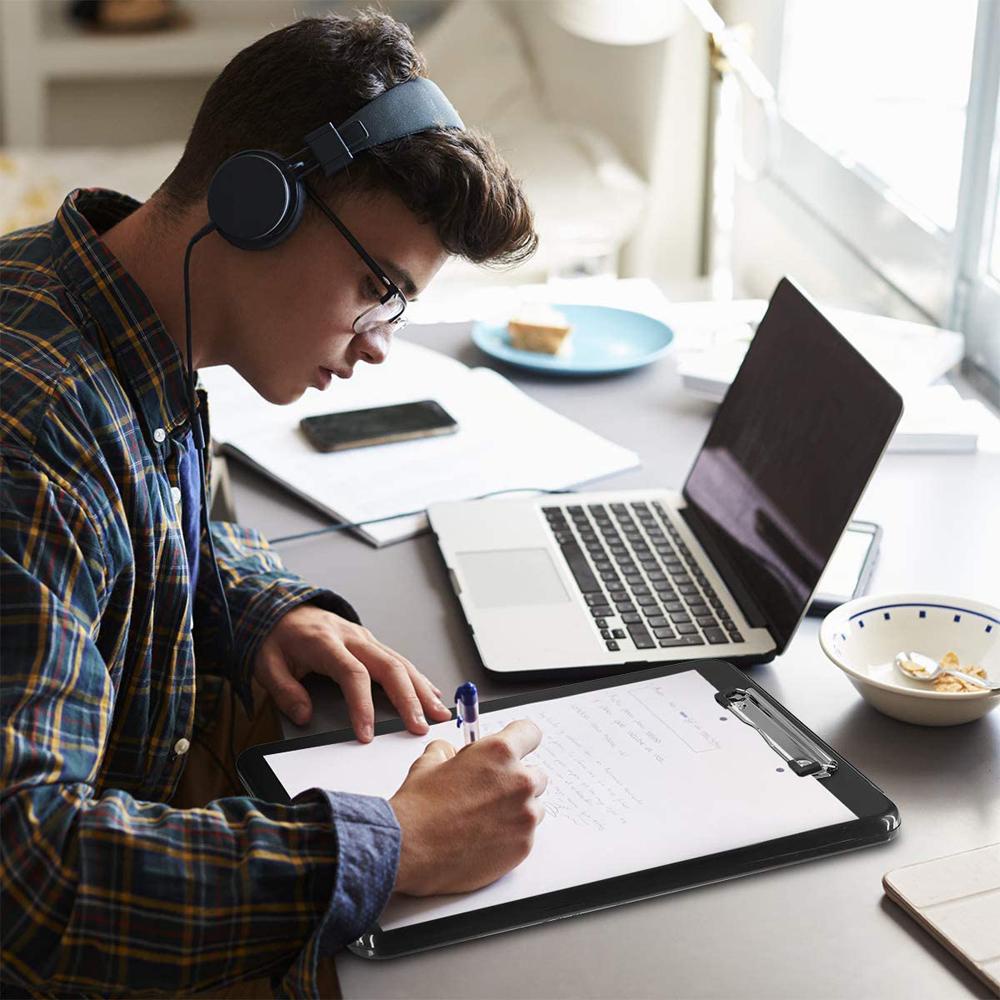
column 377, row 425
column 850, row 567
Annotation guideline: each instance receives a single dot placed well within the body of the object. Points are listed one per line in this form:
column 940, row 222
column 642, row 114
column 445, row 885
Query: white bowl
column 863, row 636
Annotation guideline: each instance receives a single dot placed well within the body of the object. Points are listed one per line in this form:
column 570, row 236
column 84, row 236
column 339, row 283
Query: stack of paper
column 939, row 419
column 505, row 441
column 713, row 337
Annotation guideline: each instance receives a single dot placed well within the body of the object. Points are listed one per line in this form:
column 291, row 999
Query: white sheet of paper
column 505, row 440
column 640, row 775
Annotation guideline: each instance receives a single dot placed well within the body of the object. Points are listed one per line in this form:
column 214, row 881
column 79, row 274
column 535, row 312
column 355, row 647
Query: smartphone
column 850, row 567
column 377, row 425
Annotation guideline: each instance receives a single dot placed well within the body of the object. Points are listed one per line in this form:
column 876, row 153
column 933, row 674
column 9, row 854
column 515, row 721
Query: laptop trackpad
column 508, row 578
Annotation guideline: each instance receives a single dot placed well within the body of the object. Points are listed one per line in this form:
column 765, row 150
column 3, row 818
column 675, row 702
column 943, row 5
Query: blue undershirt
column 189, row 477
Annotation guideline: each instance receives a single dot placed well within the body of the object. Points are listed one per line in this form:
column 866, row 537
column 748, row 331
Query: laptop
column 725, row 568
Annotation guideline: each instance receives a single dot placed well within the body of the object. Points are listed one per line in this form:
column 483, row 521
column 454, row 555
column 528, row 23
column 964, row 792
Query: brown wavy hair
column 320, row 69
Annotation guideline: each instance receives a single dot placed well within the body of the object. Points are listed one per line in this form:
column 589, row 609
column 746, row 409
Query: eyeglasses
column 388, row 311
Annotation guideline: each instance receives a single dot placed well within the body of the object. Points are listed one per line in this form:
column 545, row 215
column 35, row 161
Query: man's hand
column 311, row 640
column 468, row 817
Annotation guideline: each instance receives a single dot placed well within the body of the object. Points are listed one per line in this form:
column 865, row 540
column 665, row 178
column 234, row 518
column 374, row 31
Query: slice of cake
column 539, row 327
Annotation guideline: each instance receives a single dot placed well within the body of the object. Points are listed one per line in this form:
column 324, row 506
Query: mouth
column 336, row 371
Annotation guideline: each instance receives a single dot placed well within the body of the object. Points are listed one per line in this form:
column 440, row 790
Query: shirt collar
column 132, row 338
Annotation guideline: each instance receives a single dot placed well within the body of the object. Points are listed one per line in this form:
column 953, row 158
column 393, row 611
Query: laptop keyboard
column 639, row 579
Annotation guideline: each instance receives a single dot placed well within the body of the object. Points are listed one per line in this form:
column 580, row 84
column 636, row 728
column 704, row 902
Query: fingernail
column 365, row 733
column 300, row 713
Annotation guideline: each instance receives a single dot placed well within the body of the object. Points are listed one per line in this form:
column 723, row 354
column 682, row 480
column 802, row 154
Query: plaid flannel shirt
column 106, row 888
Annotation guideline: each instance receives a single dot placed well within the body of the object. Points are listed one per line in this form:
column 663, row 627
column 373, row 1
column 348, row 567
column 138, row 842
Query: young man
column 131, row 862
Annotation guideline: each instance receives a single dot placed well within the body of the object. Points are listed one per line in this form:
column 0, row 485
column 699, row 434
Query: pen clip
column 803, row 755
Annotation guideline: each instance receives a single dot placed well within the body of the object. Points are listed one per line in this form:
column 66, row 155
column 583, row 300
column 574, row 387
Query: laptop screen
column 789, row 454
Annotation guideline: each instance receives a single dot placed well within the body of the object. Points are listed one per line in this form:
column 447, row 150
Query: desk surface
column 816, row 930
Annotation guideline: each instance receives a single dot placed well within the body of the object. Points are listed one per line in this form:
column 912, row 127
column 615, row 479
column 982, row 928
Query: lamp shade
column 618, row 22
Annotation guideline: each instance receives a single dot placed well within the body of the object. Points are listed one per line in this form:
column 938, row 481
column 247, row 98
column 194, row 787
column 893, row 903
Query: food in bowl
column 949, row 682
column 863, row 637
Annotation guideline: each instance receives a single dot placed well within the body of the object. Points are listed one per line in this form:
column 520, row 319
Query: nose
column 372, row 346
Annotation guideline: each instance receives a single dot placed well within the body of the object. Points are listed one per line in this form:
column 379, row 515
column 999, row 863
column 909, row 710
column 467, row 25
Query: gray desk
column 816, row 930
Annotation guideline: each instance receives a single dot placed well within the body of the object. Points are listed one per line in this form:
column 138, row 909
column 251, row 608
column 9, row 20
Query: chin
column 279, row 395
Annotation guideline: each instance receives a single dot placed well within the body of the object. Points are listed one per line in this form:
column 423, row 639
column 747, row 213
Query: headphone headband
column 256, row 197
column 414, row 106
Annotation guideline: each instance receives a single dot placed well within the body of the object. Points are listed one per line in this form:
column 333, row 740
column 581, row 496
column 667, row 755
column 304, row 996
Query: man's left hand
column 310, row 640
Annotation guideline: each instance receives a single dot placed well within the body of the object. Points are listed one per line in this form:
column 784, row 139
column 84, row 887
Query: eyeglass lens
column 388, row 313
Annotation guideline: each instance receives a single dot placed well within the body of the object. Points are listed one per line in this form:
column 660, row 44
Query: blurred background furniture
column 80, row 108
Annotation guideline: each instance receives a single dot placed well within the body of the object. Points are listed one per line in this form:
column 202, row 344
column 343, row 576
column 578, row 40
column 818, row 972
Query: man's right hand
column 468, row 817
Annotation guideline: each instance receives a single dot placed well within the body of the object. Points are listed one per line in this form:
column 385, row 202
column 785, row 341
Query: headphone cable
column 346, row 525
column 197, row 431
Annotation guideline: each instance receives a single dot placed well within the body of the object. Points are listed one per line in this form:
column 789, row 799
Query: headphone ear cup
column 255, row 199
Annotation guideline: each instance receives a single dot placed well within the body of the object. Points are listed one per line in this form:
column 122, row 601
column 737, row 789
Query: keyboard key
column 707, row 622
column 716, row 636
column 618, row 633
column 680, row 616
column 659, row 622
column 693, row 640
column 580, row 568
column 664, row 633
column 681, row 640
column 664, row 589
column 688, row 589
column 624, row 606
column 643, row 641
column 601, row 622
column 601, row 611
column 735, row 636
column 648, row 601
column 597, row 510
column 609, row 576
column 612, row 645
column 631, row 619
column 687, row 628
column 595, row 599
column 618, row 595
column 606, row 633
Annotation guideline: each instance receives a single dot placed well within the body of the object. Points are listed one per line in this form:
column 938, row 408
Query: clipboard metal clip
column 803, row 755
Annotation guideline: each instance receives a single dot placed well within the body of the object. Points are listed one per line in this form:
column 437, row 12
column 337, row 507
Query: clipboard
column 780, row 745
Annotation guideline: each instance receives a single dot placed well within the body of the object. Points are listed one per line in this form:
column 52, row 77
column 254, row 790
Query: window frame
column 944, row 275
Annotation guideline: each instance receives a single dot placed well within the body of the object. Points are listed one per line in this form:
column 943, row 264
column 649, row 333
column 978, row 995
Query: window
column 884, row 87
column 890, row 139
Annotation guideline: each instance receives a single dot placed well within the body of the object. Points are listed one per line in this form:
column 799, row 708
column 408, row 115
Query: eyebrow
column 402, row 277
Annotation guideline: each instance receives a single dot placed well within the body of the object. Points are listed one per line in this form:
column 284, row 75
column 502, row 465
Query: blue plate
column 603, row 341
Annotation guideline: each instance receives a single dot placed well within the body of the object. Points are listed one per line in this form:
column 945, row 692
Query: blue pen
column 467, row 711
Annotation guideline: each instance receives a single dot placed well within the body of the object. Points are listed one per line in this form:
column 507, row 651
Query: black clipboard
column 802, row 751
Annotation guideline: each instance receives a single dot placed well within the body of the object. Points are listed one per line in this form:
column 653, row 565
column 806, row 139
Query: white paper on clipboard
column 640, row 775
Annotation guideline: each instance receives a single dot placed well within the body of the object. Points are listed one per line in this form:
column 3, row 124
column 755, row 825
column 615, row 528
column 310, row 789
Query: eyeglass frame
column 392, row 289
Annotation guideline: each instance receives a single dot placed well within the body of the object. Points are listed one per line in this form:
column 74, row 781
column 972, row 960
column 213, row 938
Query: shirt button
column 182, row 746
column 159, row 435
column 175, row 492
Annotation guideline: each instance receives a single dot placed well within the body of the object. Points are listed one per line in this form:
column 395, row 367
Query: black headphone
column 256, row 197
